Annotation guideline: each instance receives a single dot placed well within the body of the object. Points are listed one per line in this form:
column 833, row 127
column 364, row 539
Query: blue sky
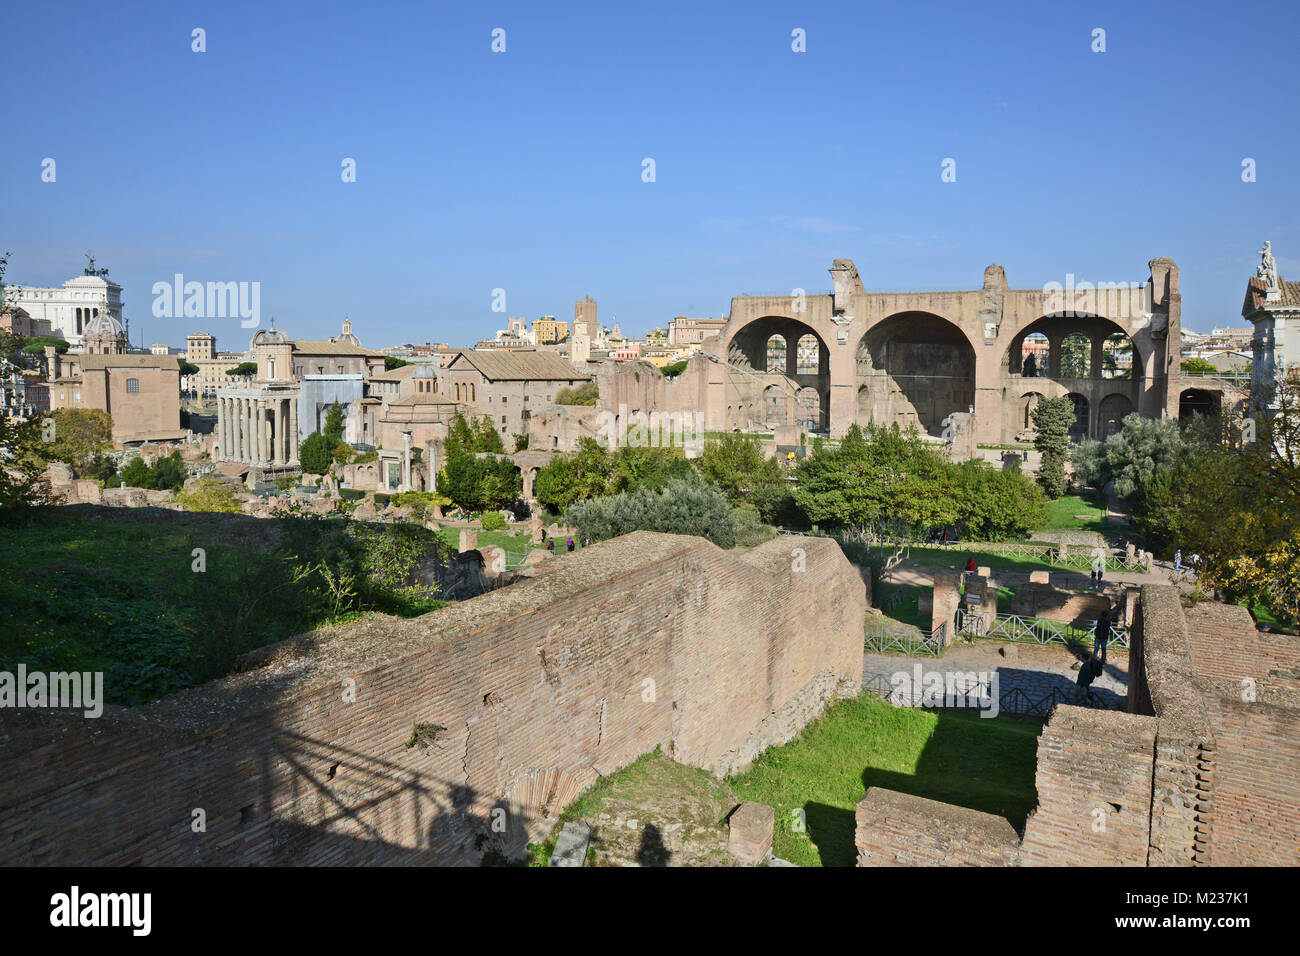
column 522, row 170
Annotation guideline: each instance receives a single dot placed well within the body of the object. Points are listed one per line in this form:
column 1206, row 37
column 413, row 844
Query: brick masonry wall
column 1255, row 814
column 1094, row 790
column 1194, row 774
column 527, row 693
column 898, row 829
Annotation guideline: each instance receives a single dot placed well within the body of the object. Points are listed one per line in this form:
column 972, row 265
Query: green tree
column 673, row 369
column 736, row 464
column 21, row 489
column 1076, row 356
column 77, row 435
column 1141, row 448
column 883, row 475
column 315, row 454
column 333, row 428
column 242, row 370
column 188, row 368
column 1198, row 365
column 586, row 473
column 1090, row 464
column 1053, row 418
column 391, row 362
column 996, row 504
column 37, row 345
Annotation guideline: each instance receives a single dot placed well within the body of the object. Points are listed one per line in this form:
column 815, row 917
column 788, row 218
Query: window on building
column 133, row 386
column 503, row 419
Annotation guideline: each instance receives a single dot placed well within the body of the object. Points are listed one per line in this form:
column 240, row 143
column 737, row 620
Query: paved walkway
column 1029, row 687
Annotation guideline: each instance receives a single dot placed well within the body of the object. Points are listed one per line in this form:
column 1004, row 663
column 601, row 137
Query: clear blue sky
column 522, row 170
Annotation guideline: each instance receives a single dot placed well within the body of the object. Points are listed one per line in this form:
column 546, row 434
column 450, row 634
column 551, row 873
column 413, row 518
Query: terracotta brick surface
column 525, row 694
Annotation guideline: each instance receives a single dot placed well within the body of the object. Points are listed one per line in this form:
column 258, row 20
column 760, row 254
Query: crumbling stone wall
column 898, row 829
column 1204, row 769
column 402, row 741
column 1094, row 790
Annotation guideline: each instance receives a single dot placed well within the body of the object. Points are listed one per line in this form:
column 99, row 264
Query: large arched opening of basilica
column 914, row 368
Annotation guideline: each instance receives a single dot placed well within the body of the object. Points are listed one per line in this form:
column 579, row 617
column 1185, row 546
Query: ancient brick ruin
column 1204, row 769
column 405, row 741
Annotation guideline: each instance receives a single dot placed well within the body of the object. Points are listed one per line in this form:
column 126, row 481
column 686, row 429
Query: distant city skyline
column 523, row 170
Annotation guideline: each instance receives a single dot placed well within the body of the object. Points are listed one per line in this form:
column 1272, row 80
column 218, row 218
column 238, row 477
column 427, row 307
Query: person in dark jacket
column 1101, row 636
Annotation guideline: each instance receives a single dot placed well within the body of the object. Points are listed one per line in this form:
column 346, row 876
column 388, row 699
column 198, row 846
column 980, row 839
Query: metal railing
column 895, row 639
column 1033, row 630
column 1015, row 702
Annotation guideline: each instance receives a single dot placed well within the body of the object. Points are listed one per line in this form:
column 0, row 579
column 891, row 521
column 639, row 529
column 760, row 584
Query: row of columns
column 260, row 431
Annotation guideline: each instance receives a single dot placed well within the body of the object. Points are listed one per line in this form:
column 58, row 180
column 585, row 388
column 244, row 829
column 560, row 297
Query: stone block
column 571, row 844
column 1040, row 577
column 750, row 836
column 468, row 539
column 494, row 560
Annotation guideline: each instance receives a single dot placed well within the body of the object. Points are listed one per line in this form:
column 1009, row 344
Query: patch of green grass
column 132, row 597
column 513, row 543
column 955, row 558
column 955, row 757
column 906, row 609
column 1063, row 515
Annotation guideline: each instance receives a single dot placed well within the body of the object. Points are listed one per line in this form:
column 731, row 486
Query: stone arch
column 808, row 411
column 1082, row 415
column 1199, row 401
column 1035, row 355
column 1028, row 402
column 1091, row 351
column 776, row 405
column 917, row 369
column 777, row 352
column 1111, row 413
column 751, row 370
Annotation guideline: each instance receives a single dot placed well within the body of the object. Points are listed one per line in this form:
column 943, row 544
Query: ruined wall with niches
column 1094, row 790
column 898, row 829
column 394, row 741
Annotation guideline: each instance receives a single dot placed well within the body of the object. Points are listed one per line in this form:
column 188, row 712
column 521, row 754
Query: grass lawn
column 1063, row 515
column 513, row 543
column 956, row 757
column 955, row 558
column 122, row 594
column 906, row 609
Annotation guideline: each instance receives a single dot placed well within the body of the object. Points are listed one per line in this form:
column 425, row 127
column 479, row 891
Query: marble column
column 259, row 430
column 293, row 432
column 281, row 423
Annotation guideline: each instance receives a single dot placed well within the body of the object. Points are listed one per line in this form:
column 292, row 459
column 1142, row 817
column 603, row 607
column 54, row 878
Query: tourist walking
column 570, row 544
column 1178, row 561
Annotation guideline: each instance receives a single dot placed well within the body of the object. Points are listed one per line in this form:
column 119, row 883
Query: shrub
column 209, row 493
column 683, row 507
column 492, row 521
column 584, row 394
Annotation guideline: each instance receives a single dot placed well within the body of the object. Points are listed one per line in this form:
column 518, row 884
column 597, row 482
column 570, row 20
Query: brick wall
column 527, row 693
column 1094, row 790
column 1196, row 773
column 898, row 829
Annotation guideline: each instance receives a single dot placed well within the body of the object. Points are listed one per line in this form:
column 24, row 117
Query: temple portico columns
column 292, row 435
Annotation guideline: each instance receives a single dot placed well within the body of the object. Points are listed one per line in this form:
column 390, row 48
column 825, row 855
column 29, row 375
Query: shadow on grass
column 985, row 764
